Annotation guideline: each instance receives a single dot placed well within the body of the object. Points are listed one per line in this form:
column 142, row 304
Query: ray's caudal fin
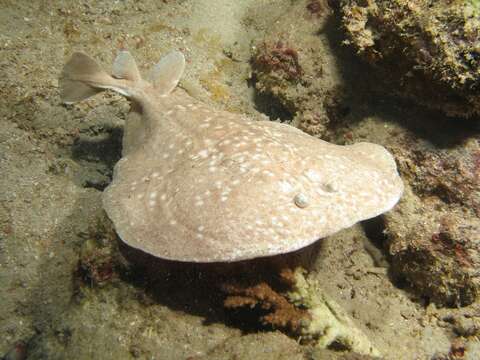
column 82, row 77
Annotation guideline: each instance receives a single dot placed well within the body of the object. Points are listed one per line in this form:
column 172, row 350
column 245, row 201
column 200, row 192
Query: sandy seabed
column 55, row 160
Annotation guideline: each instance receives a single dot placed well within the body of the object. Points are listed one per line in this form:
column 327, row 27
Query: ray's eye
column 301, row 200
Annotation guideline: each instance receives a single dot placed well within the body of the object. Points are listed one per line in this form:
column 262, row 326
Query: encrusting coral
column 328, row 323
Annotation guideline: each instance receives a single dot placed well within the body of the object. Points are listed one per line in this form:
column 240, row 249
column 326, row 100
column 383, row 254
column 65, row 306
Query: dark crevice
column 374, row 230
column 376, row 245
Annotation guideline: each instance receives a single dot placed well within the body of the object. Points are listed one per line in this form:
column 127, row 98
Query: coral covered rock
column 429, row 49
column 434, row 232
column 438, row 253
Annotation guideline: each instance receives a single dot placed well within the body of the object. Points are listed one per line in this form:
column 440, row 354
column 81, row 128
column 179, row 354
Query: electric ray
column 202, row 185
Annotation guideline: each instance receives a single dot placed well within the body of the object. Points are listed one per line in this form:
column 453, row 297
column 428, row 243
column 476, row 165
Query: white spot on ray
column 153, row 195
column 285, row 186
column 312, row 175
column 203, row 153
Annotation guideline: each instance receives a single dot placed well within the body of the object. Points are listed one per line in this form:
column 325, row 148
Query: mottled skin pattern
column 197, row 184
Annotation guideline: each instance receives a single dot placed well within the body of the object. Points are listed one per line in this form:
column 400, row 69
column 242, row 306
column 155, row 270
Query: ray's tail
column 82, row 77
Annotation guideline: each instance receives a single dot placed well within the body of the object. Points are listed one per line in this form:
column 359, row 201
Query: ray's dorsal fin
column 125, row 67
column 167, row 72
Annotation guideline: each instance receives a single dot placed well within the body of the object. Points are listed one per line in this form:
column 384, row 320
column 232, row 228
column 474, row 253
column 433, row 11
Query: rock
column 429, row 50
